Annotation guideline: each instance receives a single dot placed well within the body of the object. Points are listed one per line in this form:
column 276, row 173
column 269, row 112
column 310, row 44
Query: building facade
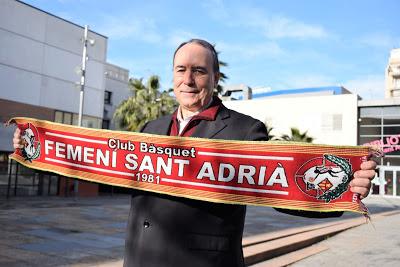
column 392, row 74
column 40, row 61
column 379, row 125
column 333, row 115
column 328, row 114
column 116, row 90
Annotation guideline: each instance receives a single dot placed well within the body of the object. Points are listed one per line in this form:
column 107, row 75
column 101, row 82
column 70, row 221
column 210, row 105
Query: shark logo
column 30, row 136
column 325, row 178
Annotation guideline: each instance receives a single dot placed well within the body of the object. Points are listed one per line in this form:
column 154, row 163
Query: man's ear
column 217, row 75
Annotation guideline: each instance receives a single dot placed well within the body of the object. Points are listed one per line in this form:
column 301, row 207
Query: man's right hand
column 17, row 140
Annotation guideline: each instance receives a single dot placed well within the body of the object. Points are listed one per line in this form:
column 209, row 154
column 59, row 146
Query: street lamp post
column 83, row 74
column 82, row 87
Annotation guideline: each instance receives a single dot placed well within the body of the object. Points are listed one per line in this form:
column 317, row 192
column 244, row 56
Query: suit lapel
column 165, row 126
column 208, row 129
column 160, row 126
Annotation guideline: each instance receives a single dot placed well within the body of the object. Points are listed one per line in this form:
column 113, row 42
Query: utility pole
column 83, row 74
column 85, row 41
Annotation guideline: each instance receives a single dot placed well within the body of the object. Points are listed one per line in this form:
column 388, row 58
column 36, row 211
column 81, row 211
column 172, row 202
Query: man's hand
column 17, row 140
column 361, row 182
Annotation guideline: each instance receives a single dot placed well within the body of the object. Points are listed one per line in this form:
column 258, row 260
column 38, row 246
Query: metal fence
column 18, row 180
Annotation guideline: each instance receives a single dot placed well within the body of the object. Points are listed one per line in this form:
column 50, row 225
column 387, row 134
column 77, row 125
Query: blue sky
column 279, row 44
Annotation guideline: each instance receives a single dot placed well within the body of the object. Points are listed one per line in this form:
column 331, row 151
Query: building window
column 58, row 117
column 381, row 126
column 63, row 117
column 337, row 122
column 73, row 119
column 91, row 122
column 105, row 124
column 331, row 122
column 107, row 97
column 396, row 83
column 67, row 118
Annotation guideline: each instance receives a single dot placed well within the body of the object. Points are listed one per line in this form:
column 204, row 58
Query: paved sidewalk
column 362, row 246
column 55, row 231
column 260, row 219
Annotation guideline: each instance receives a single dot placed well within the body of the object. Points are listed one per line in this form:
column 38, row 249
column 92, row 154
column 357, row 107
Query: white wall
column 329, row 119
column 117, row 83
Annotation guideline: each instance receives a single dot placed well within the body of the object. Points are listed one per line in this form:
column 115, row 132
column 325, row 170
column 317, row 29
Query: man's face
column 194, row 78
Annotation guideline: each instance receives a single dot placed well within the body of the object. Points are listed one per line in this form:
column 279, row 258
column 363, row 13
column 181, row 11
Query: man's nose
column 188, row 77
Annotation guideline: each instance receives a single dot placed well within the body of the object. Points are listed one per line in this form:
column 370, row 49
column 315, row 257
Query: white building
column 333, row 115
column 40, row 59
column 328, row 114
column 115, row 92
column 392, row 74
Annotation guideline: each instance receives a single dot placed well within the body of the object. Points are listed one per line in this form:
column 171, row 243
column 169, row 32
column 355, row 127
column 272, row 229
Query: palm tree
column 147, row 103
column 222, row 77
column 271, row 137
column 297, row 136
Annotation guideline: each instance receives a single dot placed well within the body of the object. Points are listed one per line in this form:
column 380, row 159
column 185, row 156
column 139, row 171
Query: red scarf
column 279, row 174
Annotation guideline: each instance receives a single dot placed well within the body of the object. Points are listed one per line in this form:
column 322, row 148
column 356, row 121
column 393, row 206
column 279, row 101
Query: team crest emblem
column 324, row 178
column 30, row 136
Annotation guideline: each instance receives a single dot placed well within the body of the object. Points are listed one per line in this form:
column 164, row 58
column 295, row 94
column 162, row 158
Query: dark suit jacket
column 171, row 231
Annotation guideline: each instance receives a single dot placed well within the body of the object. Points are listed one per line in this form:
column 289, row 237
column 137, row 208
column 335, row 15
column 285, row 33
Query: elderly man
column 171, row 231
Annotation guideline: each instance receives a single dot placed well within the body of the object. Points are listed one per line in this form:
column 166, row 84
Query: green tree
column 147, row 103
column 297, row 136
column 271, row 137
column 222, row 77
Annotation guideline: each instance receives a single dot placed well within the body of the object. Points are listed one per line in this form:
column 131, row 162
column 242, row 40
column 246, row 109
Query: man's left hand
column 361, row 182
